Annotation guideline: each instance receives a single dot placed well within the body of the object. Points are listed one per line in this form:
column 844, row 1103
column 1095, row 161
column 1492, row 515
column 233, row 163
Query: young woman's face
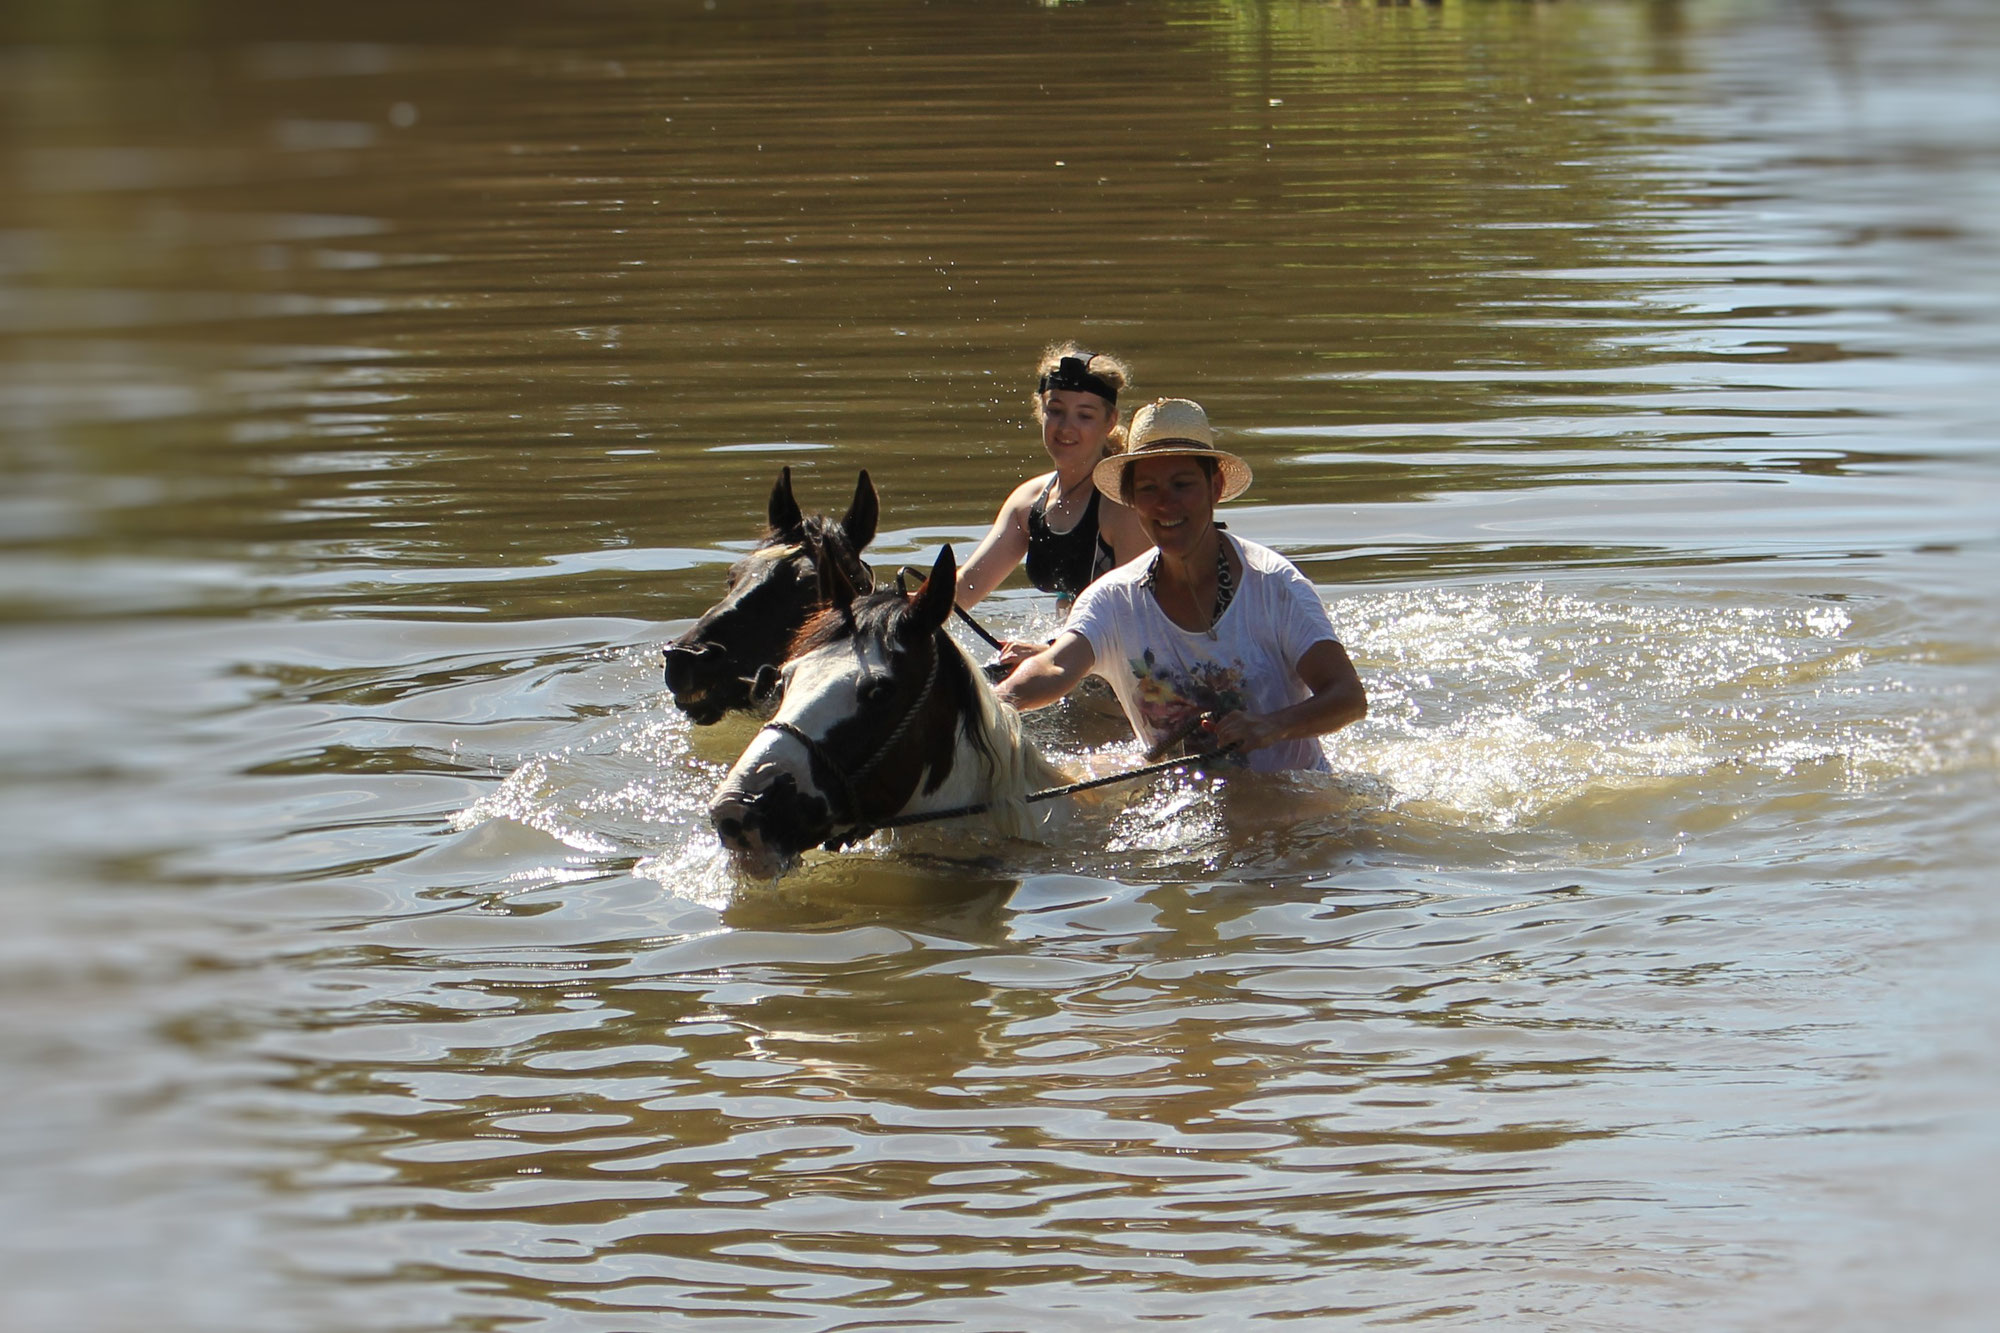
column 1075, row 421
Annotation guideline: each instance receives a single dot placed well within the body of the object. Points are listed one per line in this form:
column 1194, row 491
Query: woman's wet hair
column 1115, row 374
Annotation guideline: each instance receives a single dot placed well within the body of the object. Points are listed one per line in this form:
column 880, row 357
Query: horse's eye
column 876, row 688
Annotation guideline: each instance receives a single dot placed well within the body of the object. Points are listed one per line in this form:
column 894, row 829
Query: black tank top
column 1065, row 563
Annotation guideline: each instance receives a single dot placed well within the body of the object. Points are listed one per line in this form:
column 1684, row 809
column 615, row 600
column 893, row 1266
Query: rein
column 1049, row 794
column 956, row 610
column 977, row 628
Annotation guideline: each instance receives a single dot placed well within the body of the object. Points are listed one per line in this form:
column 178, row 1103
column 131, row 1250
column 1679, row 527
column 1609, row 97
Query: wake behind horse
column 882, row 714
column 714, row 667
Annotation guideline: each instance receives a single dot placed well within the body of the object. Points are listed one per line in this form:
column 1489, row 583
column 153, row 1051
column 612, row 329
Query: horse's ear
column 931, row 604
column 835, row 588
column 859, row 525
column 784, row 512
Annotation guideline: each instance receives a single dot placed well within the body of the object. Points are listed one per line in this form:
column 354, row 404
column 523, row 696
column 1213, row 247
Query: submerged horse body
column 713, row 668
column 882, row 714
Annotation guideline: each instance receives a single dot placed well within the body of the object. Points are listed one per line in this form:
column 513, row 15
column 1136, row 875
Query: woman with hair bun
column 1067, row 532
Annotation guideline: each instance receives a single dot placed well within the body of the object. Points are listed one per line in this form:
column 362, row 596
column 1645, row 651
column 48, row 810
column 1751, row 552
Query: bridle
column 848, row 811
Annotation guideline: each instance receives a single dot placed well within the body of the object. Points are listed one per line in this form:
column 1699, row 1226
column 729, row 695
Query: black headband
column 1073, row 373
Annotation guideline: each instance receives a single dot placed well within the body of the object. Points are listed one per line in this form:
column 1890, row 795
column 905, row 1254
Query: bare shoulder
column 1022, row 498
column 1027, row 491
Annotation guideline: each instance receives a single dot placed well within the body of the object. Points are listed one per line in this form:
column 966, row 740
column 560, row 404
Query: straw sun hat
column 1170, row 428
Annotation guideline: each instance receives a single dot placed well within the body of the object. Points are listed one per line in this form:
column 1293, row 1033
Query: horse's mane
column 1014, row 766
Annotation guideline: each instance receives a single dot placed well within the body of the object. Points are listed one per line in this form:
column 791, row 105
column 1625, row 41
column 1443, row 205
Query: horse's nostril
column 677, row 663
column 689, row 667
column 733, row 816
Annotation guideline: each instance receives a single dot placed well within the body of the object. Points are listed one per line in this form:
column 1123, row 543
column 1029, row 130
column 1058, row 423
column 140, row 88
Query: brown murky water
column 379, row 384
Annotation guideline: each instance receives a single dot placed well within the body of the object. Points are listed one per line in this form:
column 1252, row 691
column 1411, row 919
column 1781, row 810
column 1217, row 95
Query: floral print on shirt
column 1169, row 699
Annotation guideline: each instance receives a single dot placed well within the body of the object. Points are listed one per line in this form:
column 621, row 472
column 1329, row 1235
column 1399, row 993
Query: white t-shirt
column 1163, row 674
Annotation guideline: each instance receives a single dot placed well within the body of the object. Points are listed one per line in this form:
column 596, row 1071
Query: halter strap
column 820, row 755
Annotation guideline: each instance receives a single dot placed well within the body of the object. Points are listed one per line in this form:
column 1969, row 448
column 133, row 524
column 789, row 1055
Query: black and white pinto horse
column 881, row 714
column 713, row 668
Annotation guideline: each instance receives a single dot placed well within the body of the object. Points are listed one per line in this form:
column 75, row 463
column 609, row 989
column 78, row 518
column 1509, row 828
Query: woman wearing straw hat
column 1059, row 522
column 1210, row 632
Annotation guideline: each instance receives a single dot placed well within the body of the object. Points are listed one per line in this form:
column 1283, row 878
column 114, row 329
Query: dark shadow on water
column 928, row 894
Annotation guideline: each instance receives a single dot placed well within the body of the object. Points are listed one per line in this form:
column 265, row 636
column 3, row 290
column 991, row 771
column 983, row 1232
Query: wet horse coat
column 713, row 668
column 882, row 715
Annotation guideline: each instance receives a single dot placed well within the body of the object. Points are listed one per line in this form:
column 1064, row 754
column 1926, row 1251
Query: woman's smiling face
column 1074, row 422
column 1175, row 500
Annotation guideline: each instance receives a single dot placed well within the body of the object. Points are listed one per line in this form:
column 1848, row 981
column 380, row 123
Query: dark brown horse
column 882, row 714
column 713, row 668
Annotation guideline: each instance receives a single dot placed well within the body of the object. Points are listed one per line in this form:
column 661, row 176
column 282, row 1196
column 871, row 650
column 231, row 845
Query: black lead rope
column 956, row 610
column 932, row 816
column 977, row 628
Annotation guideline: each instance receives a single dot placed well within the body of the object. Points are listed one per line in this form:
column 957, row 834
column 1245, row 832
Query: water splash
column 1615, row 721
column 1513, row 705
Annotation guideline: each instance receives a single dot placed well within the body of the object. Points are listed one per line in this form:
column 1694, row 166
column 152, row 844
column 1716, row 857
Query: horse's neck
column 1007, row 772
column 1007, row 769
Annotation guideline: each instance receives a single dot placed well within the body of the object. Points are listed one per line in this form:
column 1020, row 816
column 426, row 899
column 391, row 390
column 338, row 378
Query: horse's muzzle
column 699, row 677
column 768, row 821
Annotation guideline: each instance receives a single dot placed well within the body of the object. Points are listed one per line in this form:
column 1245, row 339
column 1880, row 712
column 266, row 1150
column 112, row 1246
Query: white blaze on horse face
column 822, row 691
